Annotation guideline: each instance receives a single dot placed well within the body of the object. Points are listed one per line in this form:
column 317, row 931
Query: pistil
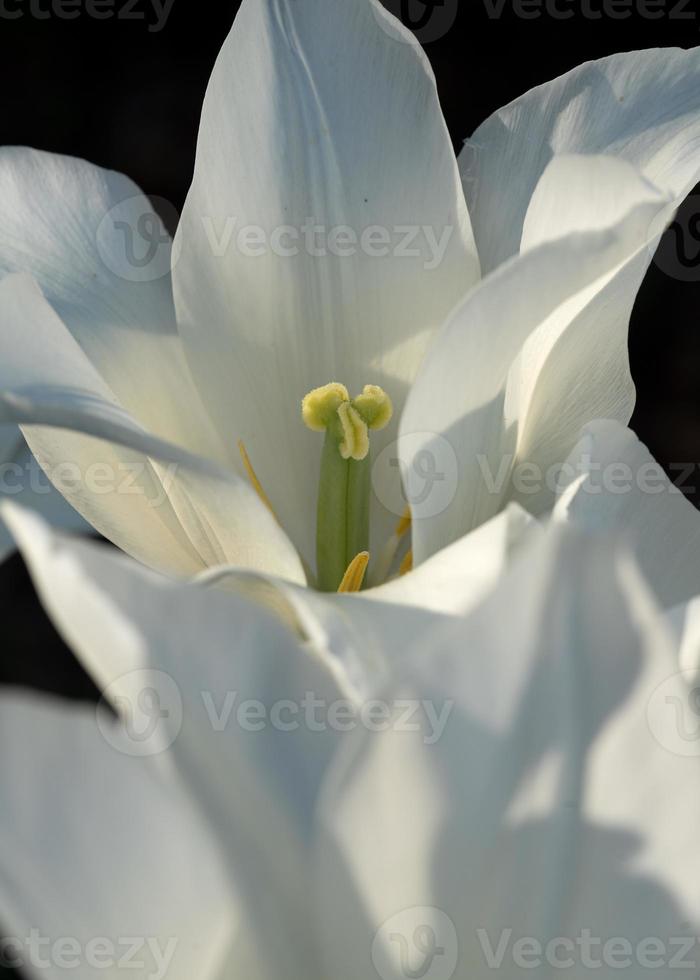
column 342, row 516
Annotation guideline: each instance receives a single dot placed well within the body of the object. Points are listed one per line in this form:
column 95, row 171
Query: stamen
column 383, row 565
column 253, row 477
column 404, row 525
column 407, row 563
column 355, row 574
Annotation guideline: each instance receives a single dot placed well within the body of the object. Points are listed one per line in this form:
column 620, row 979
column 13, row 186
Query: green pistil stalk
column 342, row 529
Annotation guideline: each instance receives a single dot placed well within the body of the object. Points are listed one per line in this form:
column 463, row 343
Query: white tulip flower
column 469, row 315
column 517, row 797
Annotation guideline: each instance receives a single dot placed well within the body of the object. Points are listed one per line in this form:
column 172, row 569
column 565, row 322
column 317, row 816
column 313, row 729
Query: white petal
column 465, row 428
column 576, row 365
column 256, row 781
column 94, row 849
column 554, row 800
column 684, row 623
column 23, row 482
column 179, row 517
column 101, row 256
column 643, row 106
column 318, row 113
column 583, row 193
column 367, row 635
column 611, row 482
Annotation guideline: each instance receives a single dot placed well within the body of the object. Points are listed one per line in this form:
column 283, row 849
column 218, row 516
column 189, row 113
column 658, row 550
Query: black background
column 127, row 97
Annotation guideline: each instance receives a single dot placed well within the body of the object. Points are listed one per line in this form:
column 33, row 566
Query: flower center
column 342, row 516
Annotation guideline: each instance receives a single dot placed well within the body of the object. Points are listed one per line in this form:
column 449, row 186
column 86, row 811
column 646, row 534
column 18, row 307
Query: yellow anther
column 320, row 405
column 374, row 405
column 253, row 477
column 355, row 441
column 355, row 574
column 404, row 525
column 407, row 563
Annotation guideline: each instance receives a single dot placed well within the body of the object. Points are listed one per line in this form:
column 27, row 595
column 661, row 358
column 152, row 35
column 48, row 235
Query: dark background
column 127, row 96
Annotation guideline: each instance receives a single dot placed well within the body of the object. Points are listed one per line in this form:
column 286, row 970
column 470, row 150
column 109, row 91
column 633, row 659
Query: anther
column 355, row 573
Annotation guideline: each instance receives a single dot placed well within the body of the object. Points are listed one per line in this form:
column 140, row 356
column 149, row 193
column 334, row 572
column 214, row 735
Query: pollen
column 407, row 563
column 320, row 405
column 355, row 574
column 404, row 525
column 374, row 405
column 330, row 408
column 355, row 441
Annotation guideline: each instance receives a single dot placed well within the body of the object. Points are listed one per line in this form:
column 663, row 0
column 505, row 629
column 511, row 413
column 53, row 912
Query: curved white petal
column 554, row 802
column 369, row 634
column 574, row 369
column 612, row 483
column 23, row 482
column 642, row 106
column 318, row 113
column 181, row 515
column 460, row 410
column 576, row 365
column 100, row 858
column 101, row 255
column 577, row 192
column 684, row 622
column 232, row 681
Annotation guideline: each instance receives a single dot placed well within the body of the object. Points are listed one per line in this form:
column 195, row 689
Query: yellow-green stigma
column 342, row 528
